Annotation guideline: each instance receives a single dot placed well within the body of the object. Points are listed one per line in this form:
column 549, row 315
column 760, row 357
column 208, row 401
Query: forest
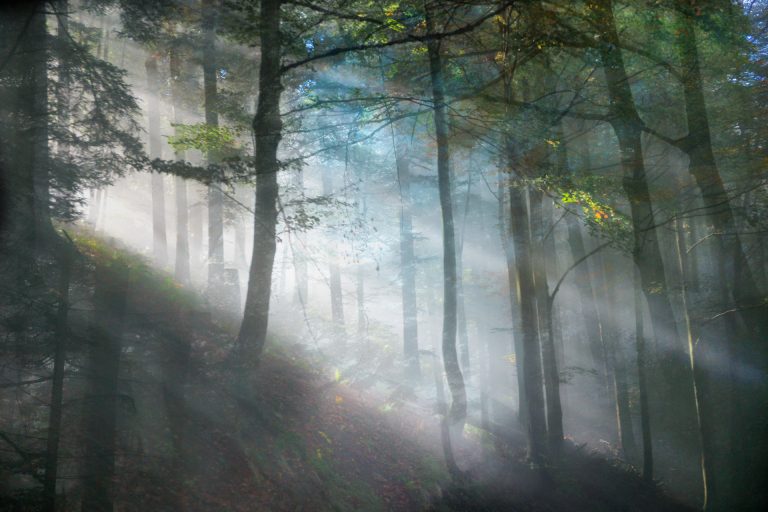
column 360, row 255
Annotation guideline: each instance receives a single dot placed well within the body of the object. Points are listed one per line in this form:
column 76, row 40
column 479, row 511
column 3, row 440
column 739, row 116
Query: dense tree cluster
column 549, row 219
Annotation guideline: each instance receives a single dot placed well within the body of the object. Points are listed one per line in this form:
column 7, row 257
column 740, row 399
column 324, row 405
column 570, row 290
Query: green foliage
column 204, row 137
column 153, row 286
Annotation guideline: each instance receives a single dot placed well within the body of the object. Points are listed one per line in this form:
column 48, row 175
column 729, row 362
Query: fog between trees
column 345, row 255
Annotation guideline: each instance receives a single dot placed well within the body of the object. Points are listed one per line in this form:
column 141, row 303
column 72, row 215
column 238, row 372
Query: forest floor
column 299, row 437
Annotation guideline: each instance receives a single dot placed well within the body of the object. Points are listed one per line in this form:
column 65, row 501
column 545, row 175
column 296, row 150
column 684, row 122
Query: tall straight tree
column 215, row 196
column 407, row 266
column 334, row 273
column 181, row 269
column 159, row 241
column 267, row 130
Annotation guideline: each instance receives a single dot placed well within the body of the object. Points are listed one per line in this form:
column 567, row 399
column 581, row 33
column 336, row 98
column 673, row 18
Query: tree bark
column 506, row 235
column 745, row 329
column 544, row 307
column 677, row 410
column 57, row 385
column 215, row 196
column 181, row 268
column 407, row 268
column 159, row 241
column 458, row 409
column 267, row 128
column 531, row 365
column 645, row 415
column 337, row 302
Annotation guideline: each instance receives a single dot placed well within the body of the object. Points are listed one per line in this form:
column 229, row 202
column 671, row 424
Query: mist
column 353, row 256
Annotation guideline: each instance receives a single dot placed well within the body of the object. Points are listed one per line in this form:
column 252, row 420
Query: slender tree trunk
column 462, row 314
column 215, row 196
column 710, row 489
column 645, row 415
column 458, row 409
column 100, row 415
column 531, row 364
column 745, row 329
column 181, row 268
column 592, row 319
column 337, row 302
column 618, row 366
column 57, row 386
column 299, row 257
column 362, row 323
column 408, row 268
column 159, row 242
column 267, row 128
column 545, row 321
column 505, row 232
column 181, row 272
column 676, row 413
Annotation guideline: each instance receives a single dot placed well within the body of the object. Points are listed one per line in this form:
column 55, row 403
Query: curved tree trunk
column 458, row 410
column 267, row 128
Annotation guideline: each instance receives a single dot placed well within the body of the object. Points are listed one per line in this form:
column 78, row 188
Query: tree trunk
column 159, row 242
column 618, row 366
column 645, row 416
column 734, row 282
column 181, row 268
column 267, row 128
column 462, row 314
column 407, row 268
column 545, row 321
column 299, row 257
column 215, row 196
column 506, row 235
column 100, row 414
column 531, row 364
column 362, row 323
column 701, row 385
column 677, row 410
column 458, row 409
column 57, row 386
column 337, row 302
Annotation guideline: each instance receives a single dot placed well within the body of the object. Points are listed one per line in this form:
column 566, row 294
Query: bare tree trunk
column 215, row 196
column 267, row 127
column 408, row 268
column 462, row 314
column 618, row 366
column 531, row 364
column 57, row 386
column 299, row 257
column 545, row 320
column 645, row 415
column 701, row 384
column 337, row 302
column 362, row 323
column 159, row 242
column 674, row 380
column 739, row 336
column 458, row 410
column 181, row 268
column 506, row 235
